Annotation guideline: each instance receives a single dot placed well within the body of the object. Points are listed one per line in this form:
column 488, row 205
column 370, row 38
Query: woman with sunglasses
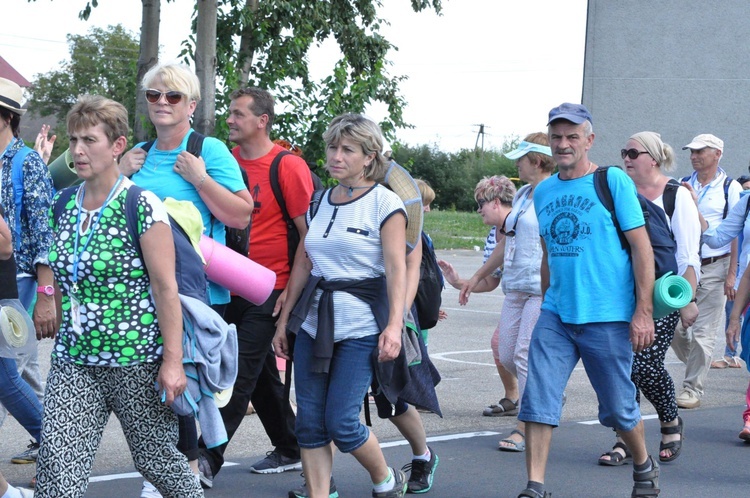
column 646, row 159
column 121, row 332
column 212, row 182
column 494, row 198
column 521, row 259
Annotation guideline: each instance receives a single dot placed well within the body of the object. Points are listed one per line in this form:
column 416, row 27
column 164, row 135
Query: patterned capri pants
column 77, row 404
column 649, row 375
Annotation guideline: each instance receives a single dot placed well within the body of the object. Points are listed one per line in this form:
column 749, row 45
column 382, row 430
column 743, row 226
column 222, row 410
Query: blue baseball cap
column 575, row 113
column 526, row 147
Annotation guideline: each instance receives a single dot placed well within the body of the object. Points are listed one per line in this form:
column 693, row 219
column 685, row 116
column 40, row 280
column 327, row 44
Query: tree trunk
column 247, row 51
column 147, row 58
column 205, row 66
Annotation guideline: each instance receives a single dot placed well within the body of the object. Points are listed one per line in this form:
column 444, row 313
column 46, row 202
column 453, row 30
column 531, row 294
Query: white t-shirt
column 711, row 205
column 343, row 242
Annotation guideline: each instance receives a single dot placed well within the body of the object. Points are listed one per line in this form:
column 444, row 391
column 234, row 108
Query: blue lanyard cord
column 92, row 227
column 705, row 189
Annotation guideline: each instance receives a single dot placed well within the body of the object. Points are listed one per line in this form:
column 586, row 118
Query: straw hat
column 10, row 96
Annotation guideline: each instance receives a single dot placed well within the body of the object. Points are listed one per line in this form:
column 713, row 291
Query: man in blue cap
column 589, row 310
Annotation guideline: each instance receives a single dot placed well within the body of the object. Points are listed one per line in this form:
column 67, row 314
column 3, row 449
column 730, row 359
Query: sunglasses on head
column 631, row 153
column 153, row 96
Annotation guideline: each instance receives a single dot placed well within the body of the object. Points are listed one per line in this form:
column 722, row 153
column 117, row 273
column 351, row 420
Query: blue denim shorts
column 607, row 356
column 329, row 404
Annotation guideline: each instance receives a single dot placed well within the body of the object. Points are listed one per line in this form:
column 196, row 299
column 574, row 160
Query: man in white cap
column 717, row 193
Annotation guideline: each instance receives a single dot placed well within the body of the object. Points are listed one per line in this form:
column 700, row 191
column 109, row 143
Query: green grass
column 455, row 230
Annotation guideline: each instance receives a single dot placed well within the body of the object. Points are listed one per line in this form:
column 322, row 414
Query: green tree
column 275, row 38
column 101, row 62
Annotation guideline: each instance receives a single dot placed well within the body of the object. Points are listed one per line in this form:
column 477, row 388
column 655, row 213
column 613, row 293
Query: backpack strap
column 194, row 144
column 669, row 197
column 315, row 202
column 601, row 186
column 276, row 187
column 747, row 206
column 16, row 173
column 727, row 182
column 131, row 218
column 62, row 200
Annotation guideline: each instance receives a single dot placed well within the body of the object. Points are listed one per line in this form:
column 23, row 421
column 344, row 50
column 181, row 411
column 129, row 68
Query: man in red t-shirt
column 251, row 115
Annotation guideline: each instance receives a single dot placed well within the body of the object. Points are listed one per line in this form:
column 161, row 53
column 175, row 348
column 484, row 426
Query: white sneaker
column 149, row 491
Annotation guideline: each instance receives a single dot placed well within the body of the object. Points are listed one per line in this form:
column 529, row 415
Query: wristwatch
column 47, row 290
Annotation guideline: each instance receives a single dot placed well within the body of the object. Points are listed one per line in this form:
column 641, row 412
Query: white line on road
column 134, row 475
column 596, row 422
column 473, row 311
column 447, row 437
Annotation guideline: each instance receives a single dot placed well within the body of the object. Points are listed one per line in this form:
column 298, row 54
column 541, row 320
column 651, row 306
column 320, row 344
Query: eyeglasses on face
column 172, row 97
column 631, row 153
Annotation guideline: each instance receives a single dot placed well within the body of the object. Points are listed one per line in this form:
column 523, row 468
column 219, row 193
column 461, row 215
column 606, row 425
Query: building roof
column 8, row 72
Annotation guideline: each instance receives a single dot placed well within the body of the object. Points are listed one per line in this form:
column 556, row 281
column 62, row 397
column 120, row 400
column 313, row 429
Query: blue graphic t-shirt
column 591, row 276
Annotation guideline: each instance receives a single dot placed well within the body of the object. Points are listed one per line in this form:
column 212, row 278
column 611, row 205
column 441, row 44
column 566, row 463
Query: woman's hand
column 689, row 314
column 192, row 169
column 280, row 342
column 733, row 332
column 172, row 380
column 44, row 143
column 450, row 273
column 389, row 343
column 466, row 290
column 132, row 162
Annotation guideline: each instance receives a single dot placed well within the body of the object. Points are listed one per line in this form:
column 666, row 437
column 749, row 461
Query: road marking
column 596, row 422
column 473, row 311
column 443, row 356
column 134, row 475
column 447, row 437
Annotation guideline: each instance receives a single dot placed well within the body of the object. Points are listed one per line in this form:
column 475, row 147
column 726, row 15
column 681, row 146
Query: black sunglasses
column 173, row 98
column 481, row 203
column 631, row 153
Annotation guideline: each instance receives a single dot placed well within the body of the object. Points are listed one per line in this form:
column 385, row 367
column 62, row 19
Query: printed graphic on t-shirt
column 565, row 233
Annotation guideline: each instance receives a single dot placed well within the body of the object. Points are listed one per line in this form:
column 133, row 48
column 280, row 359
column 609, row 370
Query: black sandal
column 646, row 484
column 530, row 493
column 675, row 447
column 615, row 457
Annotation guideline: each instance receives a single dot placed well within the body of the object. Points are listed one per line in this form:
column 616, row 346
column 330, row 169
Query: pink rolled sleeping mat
column 238, row 273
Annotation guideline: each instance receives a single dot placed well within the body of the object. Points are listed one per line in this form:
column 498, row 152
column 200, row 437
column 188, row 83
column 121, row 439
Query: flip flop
column 503, row 408
column 516, row 446
column 615, row 457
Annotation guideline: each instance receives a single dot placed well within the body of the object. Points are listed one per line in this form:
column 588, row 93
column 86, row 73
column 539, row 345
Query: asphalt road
column 712, row 462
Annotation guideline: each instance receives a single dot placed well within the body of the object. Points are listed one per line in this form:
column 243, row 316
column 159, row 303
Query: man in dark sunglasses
column 717, row 193
column 587, row 287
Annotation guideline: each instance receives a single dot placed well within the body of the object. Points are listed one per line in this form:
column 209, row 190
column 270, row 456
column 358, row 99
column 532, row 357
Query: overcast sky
column 501, row 63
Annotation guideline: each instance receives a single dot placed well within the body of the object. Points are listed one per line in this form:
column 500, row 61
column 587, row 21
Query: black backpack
column 657, row 226
column 428, row 298
column 292, row 235
column 189, row 273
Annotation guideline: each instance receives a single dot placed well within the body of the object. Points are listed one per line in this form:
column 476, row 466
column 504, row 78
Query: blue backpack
column 16, row 175
column 189, row 273
column 657, row 226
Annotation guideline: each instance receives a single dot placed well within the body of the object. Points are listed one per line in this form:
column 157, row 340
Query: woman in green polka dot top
column 111, row 350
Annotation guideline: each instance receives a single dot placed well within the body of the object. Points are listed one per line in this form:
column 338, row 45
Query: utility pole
column 480, row 133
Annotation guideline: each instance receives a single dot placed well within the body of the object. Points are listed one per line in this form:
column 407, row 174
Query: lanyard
column 524, row 205
column 705, row 189
column 92, row 227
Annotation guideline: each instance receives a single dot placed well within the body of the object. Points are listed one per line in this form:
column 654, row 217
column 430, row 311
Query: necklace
column 350, row 190
column 591, row 165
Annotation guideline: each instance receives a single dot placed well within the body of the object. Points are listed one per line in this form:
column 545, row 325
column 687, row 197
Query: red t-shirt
column 268, row 242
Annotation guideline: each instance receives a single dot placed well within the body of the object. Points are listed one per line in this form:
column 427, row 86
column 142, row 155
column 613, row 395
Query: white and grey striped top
column 343, row 243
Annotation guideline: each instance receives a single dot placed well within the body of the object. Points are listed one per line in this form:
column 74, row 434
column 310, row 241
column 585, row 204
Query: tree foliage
column 102, row 62
column 454, row 175
column 273, row 52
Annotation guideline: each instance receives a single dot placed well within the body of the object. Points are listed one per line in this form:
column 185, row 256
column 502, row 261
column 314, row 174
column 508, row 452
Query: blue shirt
column 158, row 176
column 591, row 276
